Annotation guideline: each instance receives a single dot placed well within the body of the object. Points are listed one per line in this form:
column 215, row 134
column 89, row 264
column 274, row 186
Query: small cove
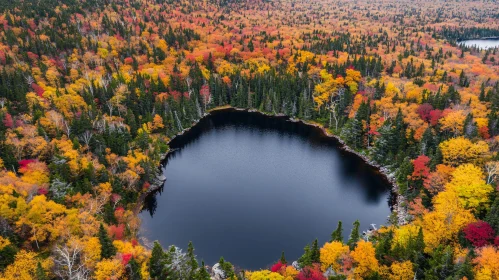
column 247, row 186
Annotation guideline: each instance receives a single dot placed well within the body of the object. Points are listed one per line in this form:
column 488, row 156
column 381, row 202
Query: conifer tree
column 107, row 248
column 337, row 235
column 315, row 253
column 40, row 273
column 193, row 263
column 156, row 260
column 305, row 259
column 134, row 272
column 283, row 258
column 202, row 274
column 354, row 235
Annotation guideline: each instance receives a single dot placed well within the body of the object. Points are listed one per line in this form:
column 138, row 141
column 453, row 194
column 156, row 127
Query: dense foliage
column 91, row 91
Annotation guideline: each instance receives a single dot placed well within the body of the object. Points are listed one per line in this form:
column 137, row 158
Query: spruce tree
column 156, row 260
column 134, row 272
column 337, row 235
column 315, row 253
column 202, row 274
column 40, row 273
column 354, row 235
column 193, row 263
column 107, row 248
column 493, row 216
column 305, row 259
column 283, row 258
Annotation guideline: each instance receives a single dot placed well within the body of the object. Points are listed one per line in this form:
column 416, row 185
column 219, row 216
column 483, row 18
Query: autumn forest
column 92, row 91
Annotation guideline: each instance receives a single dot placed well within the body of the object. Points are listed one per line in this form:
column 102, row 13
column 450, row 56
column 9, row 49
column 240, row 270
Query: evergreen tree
column 283, row 258
column 227, row 268
column 493, row 215
column 192, row 261
column 383, row 247
column 107, row 248
column 133, row 269
column 337, row 235
column 315, row 252
column 354, row 235
column 441, row 264
column 306, row 258
column 156, row 260
column 202, row 274
column 40, row 273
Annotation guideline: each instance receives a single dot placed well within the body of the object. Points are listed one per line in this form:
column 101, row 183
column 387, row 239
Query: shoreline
column 385, row 172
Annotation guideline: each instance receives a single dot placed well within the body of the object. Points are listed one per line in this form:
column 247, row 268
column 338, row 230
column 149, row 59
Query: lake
column 247, row 186
column 482, row 43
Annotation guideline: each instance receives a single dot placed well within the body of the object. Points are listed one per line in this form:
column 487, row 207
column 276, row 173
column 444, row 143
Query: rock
column 296, row 265
column 217, row 272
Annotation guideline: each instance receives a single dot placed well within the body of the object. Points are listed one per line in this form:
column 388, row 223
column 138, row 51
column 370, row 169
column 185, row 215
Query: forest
column 91, row 91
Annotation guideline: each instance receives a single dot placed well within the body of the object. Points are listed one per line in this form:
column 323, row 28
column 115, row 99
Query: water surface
column 246, row 187
column 482, row 43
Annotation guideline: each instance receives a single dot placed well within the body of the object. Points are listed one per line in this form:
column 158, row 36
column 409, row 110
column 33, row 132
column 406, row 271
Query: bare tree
column 492, row 169
column 69, row 261
column 86, row 137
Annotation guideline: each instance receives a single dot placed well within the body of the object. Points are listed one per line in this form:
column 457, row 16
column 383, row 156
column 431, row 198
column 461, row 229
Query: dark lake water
column 246, row 187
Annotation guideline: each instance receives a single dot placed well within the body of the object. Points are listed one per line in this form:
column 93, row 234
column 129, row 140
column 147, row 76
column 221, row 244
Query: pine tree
column 315, row 253
column 306, row 258
column 337, row 235
column 156, row 260
column 202, row 274
column 493, row 216
column 40, row 273
column 354, row 235
column 193, row 263
column 107, row 248
column 134, row 272
column 283, row 258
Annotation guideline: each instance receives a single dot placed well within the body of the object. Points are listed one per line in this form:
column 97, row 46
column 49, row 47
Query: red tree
column 435, row 115
column 479, row 233
column 421, row 169
column 277, row 267
column 117, row 232
column 8, row 121
column 424, row 111
column 311, row 273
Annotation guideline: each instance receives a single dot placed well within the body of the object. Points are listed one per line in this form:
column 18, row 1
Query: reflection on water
column 481, row 43
column 246, row 187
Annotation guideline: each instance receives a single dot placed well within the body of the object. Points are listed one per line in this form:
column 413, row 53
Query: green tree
column 354, row 235
column 156, row 260
column 107, row 248
column 193, row 263
column 283, row 258
column 40, row 273
column 202, row 274
column 315, row 253
column 493, row 215
column 133, row 269
column 337, row 235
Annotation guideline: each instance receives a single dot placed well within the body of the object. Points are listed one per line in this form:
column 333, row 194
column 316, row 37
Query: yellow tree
column 487, row 263
column 331, row 253
column 460, row 150
column 444, row 223
column 264, row 275
column 365, row 259
column 23, row 268
column 469, row 184
column 453, row 122
column 44, row 218
column 325, row 90
column 109, row 270
column 399, row 271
